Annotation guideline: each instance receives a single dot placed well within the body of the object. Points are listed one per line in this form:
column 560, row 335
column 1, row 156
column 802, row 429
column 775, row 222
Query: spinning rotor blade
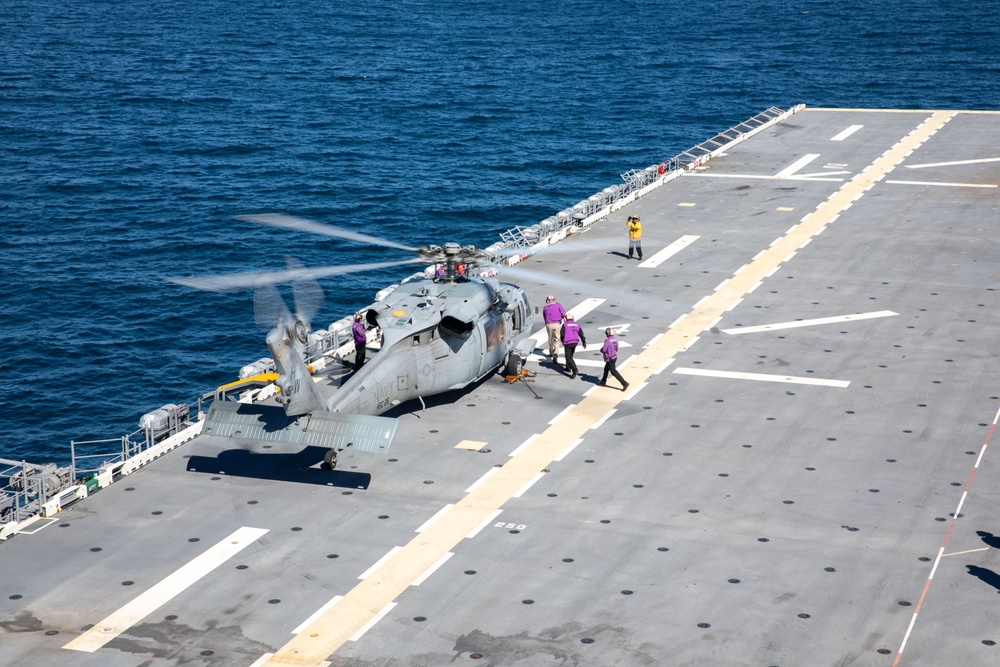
column 308, row 294
column 268, row 306
column 237, row 281
column 313, row 227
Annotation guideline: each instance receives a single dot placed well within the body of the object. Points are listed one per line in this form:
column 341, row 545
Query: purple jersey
column 553, row 313
column 610, row 349
column 571, row 333
column 360, row 337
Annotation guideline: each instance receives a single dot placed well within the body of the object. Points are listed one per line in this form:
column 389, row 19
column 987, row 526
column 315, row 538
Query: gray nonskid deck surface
column 710, row 520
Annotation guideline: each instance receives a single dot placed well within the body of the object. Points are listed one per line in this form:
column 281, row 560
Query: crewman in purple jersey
column 553, row 313
column 571, row 334
column 610, row 352
column 360, row 342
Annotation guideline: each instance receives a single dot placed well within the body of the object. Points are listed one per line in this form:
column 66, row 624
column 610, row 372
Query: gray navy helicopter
column 438, row 334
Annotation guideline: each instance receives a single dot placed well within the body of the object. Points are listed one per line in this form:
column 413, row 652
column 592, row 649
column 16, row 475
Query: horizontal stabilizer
column 333, row 430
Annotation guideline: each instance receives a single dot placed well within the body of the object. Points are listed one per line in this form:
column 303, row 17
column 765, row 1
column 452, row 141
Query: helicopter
column 438, row 334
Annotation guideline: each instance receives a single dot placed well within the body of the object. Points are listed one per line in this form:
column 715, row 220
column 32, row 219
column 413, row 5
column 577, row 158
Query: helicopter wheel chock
column 330, row 459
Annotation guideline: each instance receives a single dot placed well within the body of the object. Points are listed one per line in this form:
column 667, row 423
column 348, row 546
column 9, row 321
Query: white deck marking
column 541, row 337
column 427, row 524
column 316, row 614
column 562, row 414
column 524, row 444
column 846, row 133
column 606, row 417
column 950, row 164
column 808, row 323
column 164, row 591
column 795, row 166
column 392, row 552
column 967, row 551
column 761, row 377
column 668, row 252
column 529, row 484
column 946, row 185
column 432, row 569
column 569, row 449
column 487, row 521
column 478, row 482
column 370, row 624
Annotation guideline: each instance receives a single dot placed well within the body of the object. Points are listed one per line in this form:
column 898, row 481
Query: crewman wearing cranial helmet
column 634, row 236
column 553, row 313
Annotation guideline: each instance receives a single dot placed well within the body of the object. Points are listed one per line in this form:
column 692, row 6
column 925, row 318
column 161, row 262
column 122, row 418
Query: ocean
column 132, row 133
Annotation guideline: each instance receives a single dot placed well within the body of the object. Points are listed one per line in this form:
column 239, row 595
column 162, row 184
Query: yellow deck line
column 329, row 632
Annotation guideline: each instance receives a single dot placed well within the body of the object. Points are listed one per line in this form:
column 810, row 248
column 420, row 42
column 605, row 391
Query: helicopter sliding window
column 491, row 334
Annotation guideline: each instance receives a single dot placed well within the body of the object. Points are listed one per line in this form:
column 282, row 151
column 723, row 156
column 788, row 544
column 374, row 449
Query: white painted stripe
column 380, row 562
column 677, row 321
column 584, row 307
column 980, row 457
column 819, row 175
column 164, row 591
column 603, row 419
column 663, row 367
column 432, row 569
column 846, row 133
column 487, row 521
column 568, row 449
column 529, row 484
column 262, row 659
column 316, row 614
column 795, row 166
column 950, row 164
column 635, row 389
column 440, row 513
column 937, row 561
column 721, row 285
column 562, row 414
column 524, row 444
column 761, row 377
column 734, row 304
column 967, row 551
column 668, row 252
column 371, row 624
column 653, row 340
column 946, row 185
column 475, row 485
column 809, row 323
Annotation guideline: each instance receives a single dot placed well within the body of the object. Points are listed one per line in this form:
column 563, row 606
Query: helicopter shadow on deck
column 301, row 467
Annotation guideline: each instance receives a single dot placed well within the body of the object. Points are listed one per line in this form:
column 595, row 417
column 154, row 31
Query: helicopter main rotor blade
column 307, row 293
column 305, row 225
column 268, row 306
column 237, row 281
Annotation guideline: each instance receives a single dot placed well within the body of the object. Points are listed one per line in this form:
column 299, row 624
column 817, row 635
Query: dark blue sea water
column 132, row 132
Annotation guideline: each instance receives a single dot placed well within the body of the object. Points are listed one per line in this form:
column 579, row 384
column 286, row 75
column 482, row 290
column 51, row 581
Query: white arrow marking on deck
column 668, row 252
column 846, row 133
column 951, row 164
column 795, row 166
column 809, row 323
column 761, row 377
column 161, row 593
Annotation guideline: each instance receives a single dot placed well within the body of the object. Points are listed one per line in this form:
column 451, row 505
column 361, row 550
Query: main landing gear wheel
column 514, row 364
column 330, row 459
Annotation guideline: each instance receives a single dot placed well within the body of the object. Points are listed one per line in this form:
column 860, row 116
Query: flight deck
column 798, row 474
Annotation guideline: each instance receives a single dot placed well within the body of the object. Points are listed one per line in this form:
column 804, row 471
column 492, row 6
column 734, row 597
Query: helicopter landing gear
column 330, row 459
column 514, row 364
